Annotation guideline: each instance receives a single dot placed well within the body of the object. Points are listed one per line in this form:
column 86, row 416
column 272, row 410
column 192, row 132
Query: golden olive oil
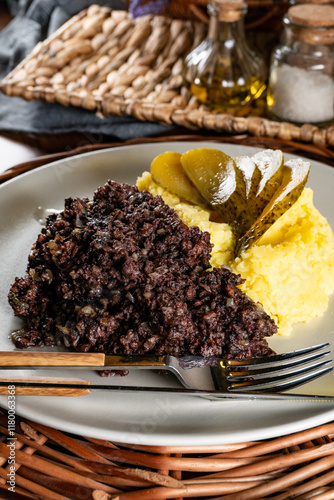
column 218, row 96
column 222, row 71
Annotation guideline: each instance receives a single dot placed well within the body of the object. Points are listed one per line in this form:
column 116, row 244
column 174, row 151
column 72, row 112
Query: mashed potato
column 192, row 215
column 290, row 270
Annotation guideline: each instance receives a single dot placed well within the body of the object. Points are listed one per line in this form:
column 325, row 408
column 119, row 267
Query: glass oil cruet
column 223, row 71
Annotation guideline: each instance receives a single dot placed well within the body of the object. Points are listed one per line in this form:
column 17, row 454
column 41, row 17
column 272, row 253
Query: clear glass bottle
column 301, row 80
column 223, row 71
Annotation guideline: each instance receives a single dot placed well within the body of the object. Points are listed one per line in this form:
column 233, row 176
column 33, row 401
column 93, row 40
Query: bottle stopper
column 311, row 15
column 228, row 10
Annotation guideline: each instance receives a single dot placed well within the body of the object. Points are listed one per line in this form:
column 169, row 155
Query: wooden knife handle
column 12, row 389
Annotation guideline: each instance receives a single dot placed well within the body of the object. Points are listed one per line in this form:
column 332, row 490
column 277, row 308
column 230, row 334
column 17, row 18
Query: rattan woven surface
column 312, row 151
column 106, row 62
column 55, row 465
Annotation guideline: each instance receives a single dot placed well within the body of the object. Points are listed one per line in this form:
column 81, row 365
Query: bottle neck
column 224, row 26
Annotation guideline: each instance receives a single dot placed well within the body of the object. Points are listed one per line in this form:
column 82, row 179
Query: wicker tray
column 106, row 62
column 55, row 465
column 312, row 151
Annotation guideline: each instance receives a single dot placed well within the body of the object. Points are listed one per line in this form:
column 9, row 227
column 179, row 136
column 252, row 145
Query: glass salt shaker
column 301, row 81
column 223, row 71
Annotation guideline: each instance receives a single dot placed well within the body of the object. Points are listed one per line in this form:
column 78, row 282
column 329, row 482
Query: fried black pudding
column 122, row 274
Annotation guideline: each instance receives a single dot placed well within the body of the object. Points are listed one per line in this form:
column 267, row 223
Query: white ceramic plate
column 154, row 419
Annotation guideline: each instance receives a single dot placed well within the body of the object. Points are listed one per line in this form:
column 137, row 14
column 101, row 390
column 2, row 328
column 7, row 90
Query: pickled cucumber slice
column 250, row 172
column 167, row 171
column 270, row 163
column 295, row 175
column 252, row 177
column 216, row 177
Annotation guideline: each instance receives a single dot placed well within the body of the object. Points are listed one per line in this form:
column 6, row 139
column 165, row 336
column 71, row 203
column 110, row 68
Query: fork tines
column 281, row 372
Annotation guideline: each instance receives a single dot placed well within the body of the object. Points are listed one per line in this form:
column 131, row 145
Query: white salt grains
column 301, row 82
column 302, row 96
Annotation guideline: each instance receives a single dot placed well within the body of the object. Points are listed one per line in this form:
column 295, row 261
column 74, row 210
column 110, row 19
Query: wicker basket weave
column 263, row 13
column 53, row 465
column 312, row 151
column 107, row 62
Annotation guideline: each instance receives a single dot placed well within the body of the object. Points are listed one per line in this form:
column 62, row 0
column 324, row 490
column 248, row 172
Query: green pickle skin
column 213, row 178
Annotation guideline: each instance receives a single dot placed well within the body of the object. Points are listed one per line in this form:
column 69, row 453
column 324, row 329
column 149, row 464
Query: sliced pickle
column 249, row 194
column 295, row 175
column 270, row 163
column 252, row 177
column 167, row 171
column 216, row 177
column 250, row 172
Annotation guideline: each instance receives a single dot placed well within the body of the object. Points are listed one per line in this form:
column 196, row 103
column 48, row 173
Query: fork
column 219, row 377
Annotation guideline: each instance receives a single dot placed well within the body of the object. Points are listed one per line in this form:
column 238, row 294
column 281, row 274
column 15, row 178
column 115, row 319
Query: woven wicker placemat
column 55, row 465
column 105, row 61
column 312, row 151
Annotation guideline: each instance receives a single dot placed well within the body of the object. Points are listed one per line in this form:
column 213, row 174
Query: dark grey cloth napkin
column 35, row 20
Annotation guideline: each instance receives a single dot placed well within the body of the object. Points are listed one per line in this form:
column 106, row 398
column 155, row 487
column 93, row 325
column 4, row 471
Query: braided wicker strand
column 315, row 152
column 105, row 61
column 55, row 465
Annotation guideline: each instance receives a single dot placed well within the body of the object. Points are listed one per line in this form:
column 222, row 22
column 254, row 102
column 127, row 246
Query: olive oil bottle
column 223, row 72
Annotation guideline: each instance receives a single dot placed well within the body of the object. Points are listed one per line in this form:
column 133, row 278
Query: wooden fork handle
column 27, row 358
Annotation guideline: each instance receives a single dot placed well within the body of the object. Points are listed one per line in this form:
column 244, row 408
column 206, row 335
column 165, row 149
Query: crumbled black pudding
column 123, row 274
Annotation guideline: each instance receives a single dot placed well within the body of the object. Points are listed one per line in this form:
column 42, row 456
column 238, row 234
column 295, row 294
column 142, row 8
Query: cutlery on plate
column 257, row 377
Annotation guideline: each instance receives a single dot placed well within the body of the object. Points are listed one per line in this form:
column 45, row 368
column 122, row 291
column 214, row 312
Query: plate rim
column 266, row 433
